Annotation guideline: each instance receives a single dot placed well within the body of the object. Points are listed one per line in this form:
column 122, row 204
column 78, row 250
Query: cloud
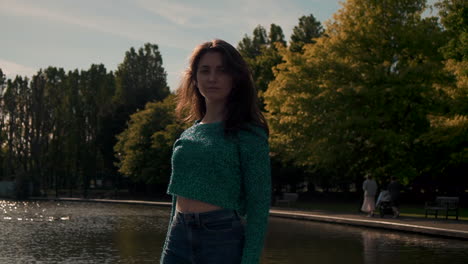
column 230, row 20
column 174, row 24
column 11, row 69
column 17, row 8
column 177, row 13
column 129, row 27
column 215, row 15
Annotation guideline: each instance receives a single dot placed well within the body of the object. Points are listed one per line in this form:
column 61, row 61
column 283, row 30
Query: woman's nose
column 212, row 77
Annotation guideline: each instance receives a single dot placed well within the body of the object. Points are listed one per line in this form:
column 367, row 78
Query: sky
column 73, row 34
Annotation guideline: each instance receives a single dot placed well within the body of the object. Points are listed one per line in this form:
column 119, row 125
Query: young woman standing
column 221, row 175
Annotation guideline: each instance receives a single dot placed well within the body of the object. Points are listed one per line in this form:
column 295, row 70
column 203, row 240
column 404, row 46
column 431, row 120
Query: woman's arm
column 256, row 171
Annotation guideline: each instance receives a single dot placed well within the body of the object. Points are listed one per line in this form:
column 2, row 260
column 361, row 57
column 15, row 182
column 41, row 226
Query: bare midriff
column 186, row 205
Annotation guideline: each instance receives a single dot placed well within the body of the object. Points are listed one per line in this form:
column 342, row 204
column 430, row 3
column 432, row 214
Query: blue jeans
column 205, row 238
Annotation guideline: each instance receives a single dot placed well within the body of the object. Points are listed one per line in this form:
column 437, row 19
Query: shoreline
column 454, row 229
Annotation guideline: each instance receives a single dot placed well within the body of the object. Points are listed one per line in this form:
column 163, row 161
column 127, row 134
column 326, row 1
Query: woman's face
column 213, row 79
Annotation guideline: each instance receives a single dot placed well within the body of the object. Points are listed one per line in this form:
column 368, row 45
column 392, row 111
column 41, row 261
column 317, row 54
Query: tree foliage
column 355, row 101
column 305, row 32
column 261, row 54
column 144, row 149
column 444, row 148
column 454, row 18
column 58, row 129
column 276, row 35
column 141, row 78
column 2, row 125
column 381, row 90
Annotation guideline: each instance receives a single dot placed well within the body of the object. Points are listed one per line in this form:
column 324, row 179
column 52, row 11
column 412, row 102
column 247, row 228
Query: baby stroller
column 384, row 203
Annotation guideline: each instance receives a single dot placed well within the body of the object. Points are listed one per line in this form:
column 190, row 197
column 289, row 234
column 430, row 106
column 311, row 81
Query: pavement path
column 428, row 226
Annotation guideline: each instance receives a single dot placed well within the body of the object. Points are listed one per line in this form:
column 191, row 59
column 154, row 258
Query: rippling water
column 67, row 232
column 294, row 241
column 51, row 232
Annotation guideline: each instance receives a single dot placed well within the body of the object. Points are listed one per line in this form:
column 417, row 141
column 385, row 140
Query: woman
column 369, row 186
column 221, row 175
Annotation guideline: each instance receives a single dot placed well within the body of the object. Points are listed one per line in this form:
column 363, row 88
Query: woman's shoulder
column 253, row 132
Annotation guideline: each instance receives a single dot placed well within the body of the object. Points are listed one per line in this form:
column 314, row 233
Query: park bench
column 444, row 204
column 287, row 198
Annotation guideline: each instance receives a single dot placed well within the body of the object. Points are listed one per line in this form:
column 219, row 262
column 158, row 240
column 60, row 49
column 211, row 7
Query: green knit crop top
column 233, row 174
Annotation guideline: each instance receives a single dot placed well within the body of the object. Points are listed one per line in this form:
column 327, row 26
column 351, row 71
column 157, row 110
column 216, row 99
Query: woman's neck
column 214, row 113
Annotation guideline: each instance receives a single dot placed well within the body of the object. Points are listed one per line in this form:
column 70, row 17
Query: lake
column 76, row 232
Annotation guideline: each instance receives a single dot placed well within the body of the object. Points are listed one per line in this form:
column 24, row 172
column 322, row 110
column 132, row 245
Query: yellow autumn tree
column 355, row 101
column 444, row 148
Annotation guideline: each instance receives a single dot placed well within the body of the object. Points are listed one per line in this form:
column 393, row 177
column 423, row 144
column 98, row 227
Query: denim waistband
column 207, row 216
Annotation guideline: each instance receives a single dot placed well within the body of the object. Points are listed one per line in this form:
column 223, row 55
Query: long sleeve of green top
column 233, row 174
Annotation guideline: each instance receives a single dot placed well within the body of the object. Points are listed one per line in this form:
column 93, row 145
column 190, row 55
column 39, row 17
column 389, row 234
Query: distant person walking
column 370, row 190
column 394, row 187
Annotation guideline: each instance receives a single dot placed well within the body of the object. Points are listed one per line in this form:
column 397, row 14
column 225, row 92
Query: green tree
column 454, row 18
column 58, row 130
column 276, row 35
column 65, row 112
column 68, row 136
column 444, row 148
column 17, row 96
column 355, row 101
column 2, row 124
column 260, row 37
column 261, row 54
column 251, row 47
column 97, row 88
column 47, row 88
column 46, row 130
column 141, row 78
column 443, row 155
column 305, row 32
column 144, row 149
column 103, row 84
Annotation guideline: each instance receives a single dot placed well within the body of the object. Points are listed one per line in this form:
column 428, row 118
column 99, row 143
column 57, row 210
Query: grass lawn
column 412, row 210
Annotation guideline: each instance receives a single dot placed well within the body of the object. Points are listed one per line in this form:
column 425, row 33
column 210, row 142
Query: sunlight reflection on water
column 56, row 232
column 32, row 211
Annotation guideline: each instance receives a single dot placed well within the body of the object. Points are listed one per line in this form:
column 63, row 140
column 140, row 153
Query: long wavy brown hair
column 242, row 103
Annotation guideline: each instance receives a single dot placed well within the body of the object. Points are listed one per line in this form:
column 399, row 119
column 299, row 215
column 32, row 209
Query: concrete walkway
column 427, row 226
